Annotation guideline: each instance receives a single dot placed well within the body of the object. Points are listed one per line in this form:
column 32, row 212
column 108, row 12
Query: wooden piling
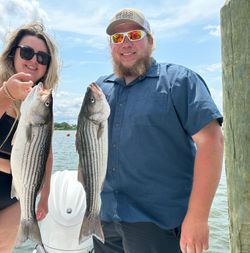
column 235, row 35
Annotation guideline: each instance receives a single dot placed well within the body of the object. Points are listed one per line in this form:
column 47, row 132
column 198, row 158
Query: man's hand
column 194, row 235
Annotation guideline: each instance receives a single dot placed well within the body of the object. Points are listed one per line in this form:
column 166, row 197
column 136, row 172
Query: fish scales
column 33, row 159
column 29, row 157
column 92, row 145
column 92, row 160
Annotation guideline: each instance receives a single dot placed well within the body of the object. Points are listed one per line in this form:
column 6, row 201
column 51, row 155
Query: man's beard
column 139, row 68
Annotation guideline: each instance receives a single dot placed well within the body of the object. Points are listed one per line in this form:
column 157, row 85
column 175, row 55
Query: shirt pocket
column 148, row 110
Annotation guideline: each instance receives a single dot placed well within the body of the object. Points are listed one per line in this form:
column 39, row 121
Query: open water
column 66, row 158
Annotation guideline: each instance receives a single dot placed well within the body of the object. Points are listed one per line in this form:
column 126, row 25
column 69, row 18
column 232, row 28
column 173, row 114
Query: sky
column 187, row 32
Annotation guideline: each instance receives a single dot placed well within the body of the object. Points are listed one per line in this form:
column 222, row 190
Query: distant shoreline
column 60, row 129
column 64, row 126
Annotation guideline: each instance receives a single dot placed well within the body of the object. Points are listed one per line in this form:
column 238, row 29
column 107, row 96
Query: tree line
column 64, row 126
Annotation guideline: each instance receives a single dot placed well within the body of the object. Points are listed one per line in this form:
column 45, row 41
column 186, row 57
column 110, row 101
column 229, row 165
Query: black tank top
column 6, row 131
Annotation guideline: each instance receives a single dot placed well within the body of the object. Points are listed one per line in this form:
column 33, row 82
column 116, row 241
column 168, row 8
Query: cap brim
column 111, row 26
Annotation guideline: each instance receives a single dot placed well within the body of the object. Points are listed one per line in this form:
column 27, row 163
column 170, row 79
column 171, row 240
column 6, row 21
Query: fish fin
column 40, row 249
column 13, row 192
column 100, row 130
column 91, row 225
column 28, row 229
column 29, row 132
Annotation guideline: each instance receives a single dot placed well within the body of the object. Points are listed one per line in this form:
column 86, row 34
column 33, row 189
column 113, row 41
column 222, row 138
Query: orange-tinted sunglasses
column 134, row 35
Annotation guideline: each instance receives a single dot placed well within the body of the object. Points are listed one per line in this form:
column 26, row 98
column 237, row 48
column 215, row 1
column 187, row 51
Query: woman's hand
column 19, row 85
column 42, row 209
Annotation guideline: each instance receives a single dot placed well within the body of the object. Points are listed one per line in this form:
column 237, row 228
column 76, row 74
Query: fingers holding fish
column 19, row 85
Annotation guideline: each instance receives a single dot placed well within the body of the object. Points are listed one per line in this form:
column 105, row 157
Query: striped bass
column 92, row 147
column 29, row 155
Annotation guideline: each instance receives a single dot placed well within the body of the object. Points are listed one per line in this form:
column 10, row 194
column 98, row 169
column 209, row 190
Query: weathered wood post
column 235, row 32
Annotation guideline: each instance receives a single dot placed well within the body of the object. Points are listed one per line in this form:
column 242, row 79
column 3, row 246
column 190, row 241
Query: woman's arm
column 5, row 101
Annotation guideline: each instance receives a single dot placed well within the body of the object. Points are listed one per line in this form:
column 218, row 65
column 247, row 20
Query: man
column 165, row 148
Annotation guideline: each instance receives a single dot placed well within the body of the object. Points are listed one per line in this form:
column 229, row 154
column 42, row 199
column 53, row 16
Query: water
column 65, row 157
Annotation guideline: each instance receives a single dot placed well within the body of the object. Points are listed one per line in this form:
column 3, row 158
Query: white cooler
column 67, row 203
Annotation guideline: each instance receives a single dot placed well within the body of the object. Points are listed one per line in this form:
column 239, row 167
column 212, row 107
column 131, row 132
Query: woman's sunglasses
column 27, row 53
column 134, row 35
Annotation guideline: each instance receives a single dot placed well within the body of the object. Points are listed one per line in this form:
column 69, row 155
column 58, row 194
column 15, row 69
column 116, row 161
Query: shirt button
column 114, row 169
column 116, row 217
column 121, row 104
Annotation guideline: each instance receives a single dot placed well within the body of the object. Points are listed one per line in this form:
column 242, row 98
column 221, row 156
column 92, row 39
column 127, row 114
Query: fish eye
column 47, row 103
column 92, row 100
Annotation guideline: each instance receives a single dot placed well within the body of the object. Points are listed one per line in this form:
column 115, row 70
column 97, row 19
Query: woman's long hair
column 7, row 69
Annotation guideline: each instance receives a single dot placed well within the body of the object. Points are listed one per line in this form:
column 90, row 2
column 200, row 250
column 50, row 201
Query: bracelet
column 7, row 92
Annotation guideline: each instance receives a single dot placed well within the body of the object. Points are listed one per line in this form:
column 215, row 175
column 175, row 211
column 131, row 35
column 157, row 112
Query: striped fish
column 92, row 147
column 29, row 155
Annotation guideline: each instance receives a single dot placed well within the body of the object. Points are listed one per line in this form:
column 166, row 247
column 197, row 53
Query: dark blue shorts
column 5, row 190
column 139, row 237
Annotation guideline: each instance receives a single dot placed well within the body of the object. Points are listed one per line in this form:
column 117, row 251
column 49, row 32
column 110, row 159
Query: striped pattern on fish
column 92, row 147
column 29, row 177
column 28, row 160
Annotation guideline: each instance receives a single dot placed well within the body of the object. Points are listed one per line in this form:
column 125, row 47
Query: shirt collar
column 154, row 71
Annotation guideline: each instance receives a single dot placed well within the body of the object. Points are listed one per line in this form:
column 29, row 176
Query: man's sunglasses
column 134, row 35
column 27, row 53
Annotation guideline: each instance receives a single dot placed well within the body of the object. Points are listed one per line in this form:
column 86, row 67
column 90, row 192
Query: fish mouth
column 94, row 88
column 43, row 92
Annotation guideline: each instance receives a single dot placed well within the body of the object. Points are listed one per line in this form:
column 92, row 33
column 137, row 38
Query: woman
column 29, row 57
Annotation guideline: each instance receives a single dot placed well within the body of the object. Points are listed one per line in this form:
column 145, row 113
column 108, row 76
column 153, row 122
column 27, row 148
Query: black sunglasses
column 27, row 53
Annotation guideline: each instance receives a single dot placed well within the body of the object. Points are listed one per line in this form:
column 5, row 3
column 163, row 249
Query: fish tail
column 29, row 229
column 91, row 225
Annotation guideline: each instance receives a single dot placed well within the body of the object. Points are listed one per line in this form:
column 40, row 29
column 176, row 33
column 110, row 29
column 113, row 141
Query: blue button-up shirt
column 151, row 152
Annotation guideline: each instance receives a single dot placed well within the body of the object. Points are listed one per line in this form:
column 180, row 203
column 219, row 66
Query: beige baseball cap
column 128, row 15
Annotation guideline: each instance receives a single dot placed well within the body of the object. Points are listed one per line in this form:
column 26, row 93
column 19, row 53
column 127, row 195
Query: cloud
column 214, row 67
column 93, row 41
column 214, row 30
column 212, row 76
column 83, row 24
column 67, row 107
column 217, row 96
column 177, row 16
column 13, row 13
column 209, row 68
column 89, row 18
